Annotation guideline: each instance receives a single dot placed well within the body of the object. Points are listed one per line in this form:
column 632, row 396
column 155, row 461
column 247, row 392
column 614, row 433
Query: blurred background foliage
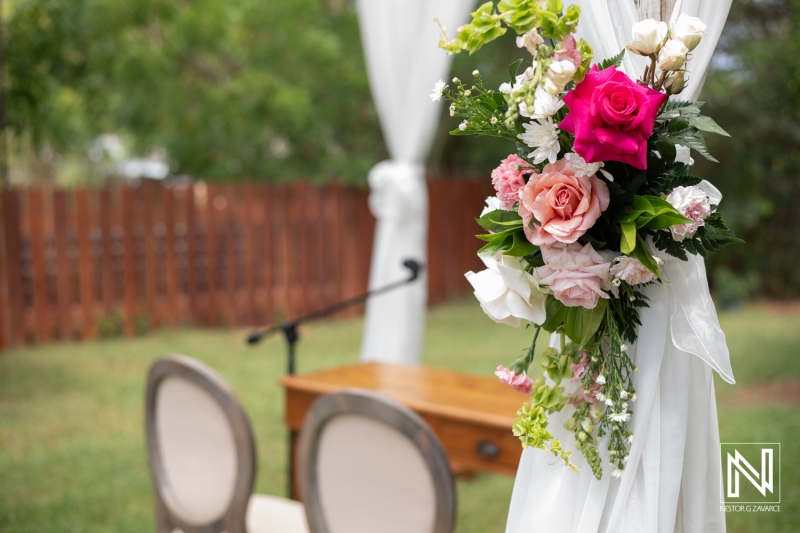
column 246, row 89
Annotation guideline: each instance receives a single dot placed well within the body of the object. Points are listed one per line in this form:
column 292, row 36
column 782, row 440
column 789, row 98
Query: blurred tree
column 754, row 93
column 245, row 89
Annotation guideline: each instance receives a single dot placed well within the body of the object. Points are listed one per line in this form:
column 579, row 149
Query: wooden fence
column 78, row 264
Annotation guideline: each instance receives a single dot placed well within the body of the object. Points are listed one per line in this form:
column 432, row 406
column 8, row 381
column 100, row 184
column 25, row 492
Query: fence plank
column 249, row 213
column 106, row 225
column 13, row 244
column 60, row 228
column 171, row 282
column 212, row 312
column 129, row 261
column 191, row 252
column 36, row 215
column 86, row 270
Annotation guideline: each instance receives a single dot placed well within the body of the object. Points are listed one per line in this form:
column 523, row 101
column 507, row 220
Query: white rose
column 507, row 292
column 559, row 75
column 531, row 41
column 693, row 203
column 673, row 55
column 689, row 30
column 647, row 37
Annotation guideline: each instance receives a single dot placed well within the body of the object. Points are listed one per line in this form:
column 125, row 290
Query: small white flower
column 683, row 155
column 584, row 169
column 438, row 90
column 616, row 282
column 601, row 379
column 636, row 369
column 609, row 402
column 467, row 93
column 493, row 203
column 617, row 473
column 455, row 80
column 593, row 359
column 622, row 393
column 463, row 126
column 600, row 396
column 452, row 110
column 505, row 88
column 622, row 416
column 634, row 397
column 630, row 439
column 623, row 348
column 543, row 137
column 689, row 30
column 494, row 120
column 475, row 72
column 673, row 55
column 545, row 105
column 624, row 405
column 625, row 459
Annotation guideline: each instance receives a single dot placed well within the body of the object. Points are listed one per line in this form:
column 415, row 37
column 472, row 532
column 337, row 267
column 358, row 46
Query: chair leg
column 163, row 522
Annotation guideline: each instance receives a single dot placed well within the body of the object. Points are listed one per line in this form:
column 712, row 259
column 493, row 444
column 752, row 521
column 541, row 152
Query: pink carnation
column 561, row 205
column 632, row 271
column 509, row 178
column 576, row 275
column 520, row 382
column 611, row 117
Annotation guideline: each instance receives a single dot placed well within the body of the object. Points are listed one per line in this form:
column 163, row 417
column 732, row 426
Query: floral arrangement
column 596, row 195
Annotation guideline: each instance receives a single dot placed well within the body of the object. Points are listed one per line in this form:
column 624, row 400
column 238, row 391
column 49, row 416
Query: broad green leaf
column 509, row 232
column 500, row 220
column 591, row 320
column 628, row 241
column 555, row 313
column 707, row 124
column 521, row 246
column 573, row 323
column 643, row 255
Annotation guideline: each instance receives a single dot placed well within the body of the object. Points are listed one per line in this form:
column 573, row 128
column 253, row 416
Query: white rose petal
column 507, row 292
column 689, row 30
column 672, row 56
column 493, row 203
column 648, row 36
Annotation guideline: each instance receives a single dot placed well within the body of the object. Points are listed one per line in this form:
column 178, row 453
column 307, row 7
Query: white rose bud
column 673, row 55
column 648, row 35
column 689, row 30
column 559, row 75
column 675, row 82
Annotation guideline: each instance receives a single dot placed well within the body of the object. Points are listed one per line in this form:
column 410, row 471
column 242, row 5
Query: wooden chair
column 368, row 464
column 202, row 456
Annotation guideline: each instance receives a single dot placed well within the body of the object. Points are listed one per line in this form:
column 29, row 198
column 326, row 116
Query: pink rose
column 509, row 178
column 568, row 52
column 576, row 275
column 611, row 117
column 520, row 382
column 561, row 205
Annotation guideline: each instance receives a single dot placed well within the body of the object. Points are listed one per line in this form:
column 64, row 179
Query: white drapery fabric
column 403, row 61
column 672, row 482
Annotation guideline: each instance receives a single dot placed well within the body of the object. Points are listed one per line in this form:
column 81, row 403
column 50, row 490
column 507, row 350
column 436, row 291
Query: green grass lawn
column 72, row 455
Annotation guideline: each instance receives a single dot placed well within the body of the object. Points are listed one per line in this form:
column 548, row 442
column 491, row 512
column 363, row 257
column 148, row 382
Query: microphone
column 414, row 266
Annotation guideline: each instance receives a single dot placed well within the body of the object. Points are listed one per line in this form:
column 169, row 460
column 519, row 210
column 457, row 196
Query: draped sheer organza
column 672, row 481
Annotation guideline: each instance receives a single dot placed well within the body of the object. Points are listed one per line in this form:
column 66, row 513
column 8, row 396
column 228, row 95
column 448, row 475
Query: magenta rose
column 509, row 178
column 558, row 206
column 577, row 275
column 611, row 117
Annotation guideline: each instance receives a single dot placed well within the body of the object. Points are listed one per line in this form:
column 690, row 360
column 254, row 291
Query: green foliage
column 246, row 89
column 615, row 61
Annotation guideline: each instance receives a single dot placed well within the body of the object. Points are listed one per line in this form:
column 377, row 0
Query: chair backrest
column 367, row 463
column 202, row 454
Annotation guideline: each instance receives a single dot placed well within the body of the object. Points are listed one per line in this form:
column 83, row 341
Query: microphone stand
column 290, row 333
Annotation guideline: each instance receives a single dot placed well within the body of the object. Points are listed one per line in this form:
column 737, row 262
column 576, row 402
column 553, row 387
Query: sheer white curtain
column 403, row 61
column 672, row 481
